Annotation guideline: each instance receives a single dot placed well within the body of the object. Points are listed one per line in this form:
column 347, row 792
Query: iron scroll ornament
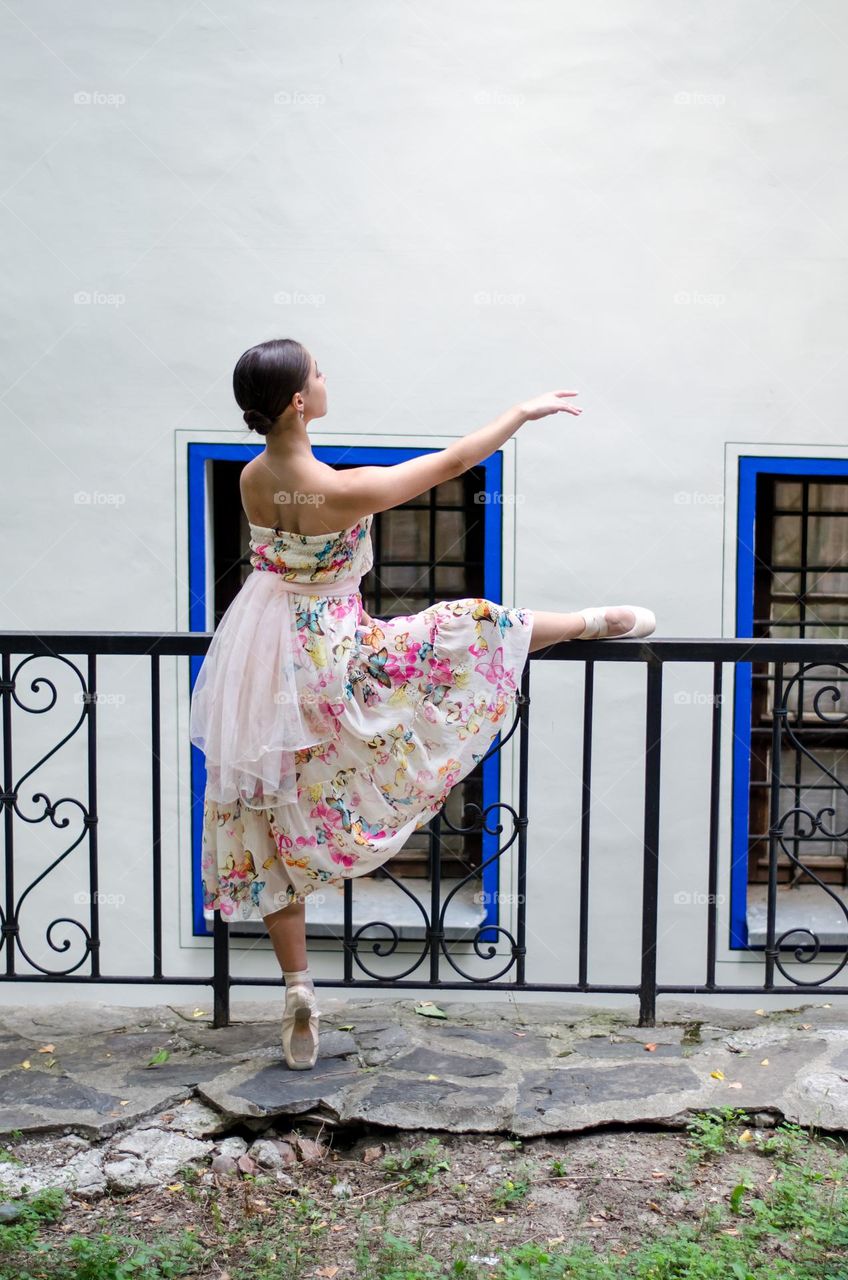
column 806, row 953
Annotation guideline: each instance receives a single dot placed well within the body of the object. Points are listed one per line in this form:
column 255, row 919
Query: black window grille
column 801, row 590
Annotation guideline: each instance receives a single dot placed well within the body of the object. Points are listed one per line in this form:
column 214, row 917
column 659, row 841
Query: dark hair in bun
column 265, row 379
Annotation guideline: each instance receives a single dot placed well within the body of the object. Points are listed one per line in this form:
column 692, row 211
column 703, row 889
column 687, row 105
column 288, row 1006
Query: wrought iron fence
column 27, row 689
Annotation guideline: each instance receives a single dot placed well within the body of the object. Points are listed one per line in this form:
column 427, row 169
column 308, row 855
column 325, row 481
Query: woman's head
column 278, row 377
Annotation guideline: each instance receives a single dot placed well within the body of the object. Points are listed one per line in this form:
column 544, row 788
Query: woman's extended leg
column 551, row 628
column 287, row 928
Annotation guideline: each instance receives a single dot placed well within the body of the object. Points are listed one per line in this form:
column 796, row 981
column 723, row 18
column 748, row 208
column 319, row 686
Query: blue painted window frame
column 750, row 468
column 199, row 455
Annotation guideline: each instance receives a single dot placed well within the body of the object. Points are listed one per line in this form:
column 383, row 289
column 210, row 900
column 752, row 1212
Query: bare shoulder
column 301, row 496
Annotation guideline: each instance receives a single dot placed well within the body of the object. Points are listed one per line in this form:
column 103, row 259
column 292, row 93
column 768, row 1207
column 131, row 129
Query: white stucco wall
column 468, row 204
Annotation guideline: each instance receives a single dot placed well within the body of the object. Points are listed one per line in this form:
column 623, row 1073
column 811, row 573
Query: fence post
column 650, row 865
column 220, row 972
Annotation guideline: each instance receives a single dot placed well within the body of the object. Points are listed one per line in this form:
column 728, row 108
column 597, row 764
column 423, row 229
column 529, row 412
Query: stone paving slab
column 529, row 1069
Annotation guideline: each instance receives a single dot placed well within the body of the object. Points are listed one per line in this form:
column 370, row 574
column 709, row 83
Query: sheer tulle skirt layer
column 255, row 700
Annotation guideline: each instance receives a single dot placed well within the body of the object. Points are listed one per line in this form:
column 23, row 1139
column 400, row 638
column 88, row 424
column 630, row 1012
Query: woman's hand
column 551, row 402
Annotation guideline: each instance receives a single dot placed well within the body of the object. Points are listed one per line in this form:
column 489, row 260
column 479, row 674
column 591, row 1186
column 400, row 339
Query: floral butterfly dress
column 358, row 742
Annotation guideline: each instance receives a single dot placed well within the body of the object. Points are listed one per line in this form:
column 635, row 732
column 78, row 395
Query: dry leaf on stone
column 47, row 1048
column 717, row 1075
column 371, row 1153
column 428, row 1009
column 650, row 1047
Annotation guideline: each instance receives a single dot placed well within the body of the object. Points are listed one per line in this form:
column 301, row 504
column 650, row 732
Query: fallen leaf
column 760, row 1012
column 747, row 1136
column 658, row 1174
column 309, row 1150
column 47, row 1048
column 652, row 1204
column 174, row 1186
column 764, row 1062
column 730, row 1231
column 371, row 1153
column 771, row 1177
column 650, row 1047
column 329, row 1272
column 348, row 1026
column 198, row 1013
column 735, row 1084
column 805, row 1026
column 338, row 1226
column 26, row 1064
column 717, row 1075
column 428, row 1009
column 555, row 1239
column 498, row 1219
column 433, row 1077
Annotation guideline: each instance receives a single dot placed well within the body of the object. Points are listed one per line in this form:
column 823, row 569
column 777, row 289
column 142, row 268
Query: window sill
column 807, row 907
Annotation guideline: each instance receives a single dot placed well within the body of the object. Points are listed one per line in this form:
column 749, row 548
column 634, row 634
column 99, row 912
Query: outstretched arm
column 365, row 490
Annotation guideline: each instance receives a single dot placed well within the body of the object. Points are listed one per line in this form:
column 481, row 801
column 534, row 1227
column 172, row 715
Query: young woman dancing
column 331, row 736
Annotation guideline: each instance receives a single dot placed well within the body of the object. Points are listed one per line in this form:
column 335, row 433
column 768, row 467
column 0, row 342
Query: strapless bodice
column 313, row 557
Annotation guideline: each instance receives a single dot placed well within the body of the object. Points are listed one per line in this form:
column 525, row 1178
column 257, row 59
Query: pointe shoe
column 597, row 627
column 299, row 1030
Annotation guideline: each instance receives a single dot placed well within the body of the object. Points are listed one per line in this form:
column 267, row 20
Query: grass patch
column 780, row 1211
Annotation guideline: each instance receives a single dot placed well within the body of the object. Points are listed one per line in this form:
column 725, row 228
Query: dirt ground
column 613, row 1188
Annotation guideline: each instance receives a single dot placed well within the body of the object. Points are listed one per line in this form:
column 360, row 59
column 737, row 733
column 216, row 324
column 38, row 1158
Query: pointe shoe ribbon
column 597, row 627
column 299, row 1030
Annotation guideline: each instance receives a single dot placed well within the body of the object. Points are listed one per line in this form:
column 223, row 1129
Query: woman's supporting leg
column 551, row 628
column 287, row 928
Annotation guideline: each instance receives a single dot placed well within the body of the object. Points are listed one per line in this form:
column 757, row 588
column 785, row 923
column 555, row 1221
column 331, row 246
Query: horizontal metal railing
column 654, row 654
